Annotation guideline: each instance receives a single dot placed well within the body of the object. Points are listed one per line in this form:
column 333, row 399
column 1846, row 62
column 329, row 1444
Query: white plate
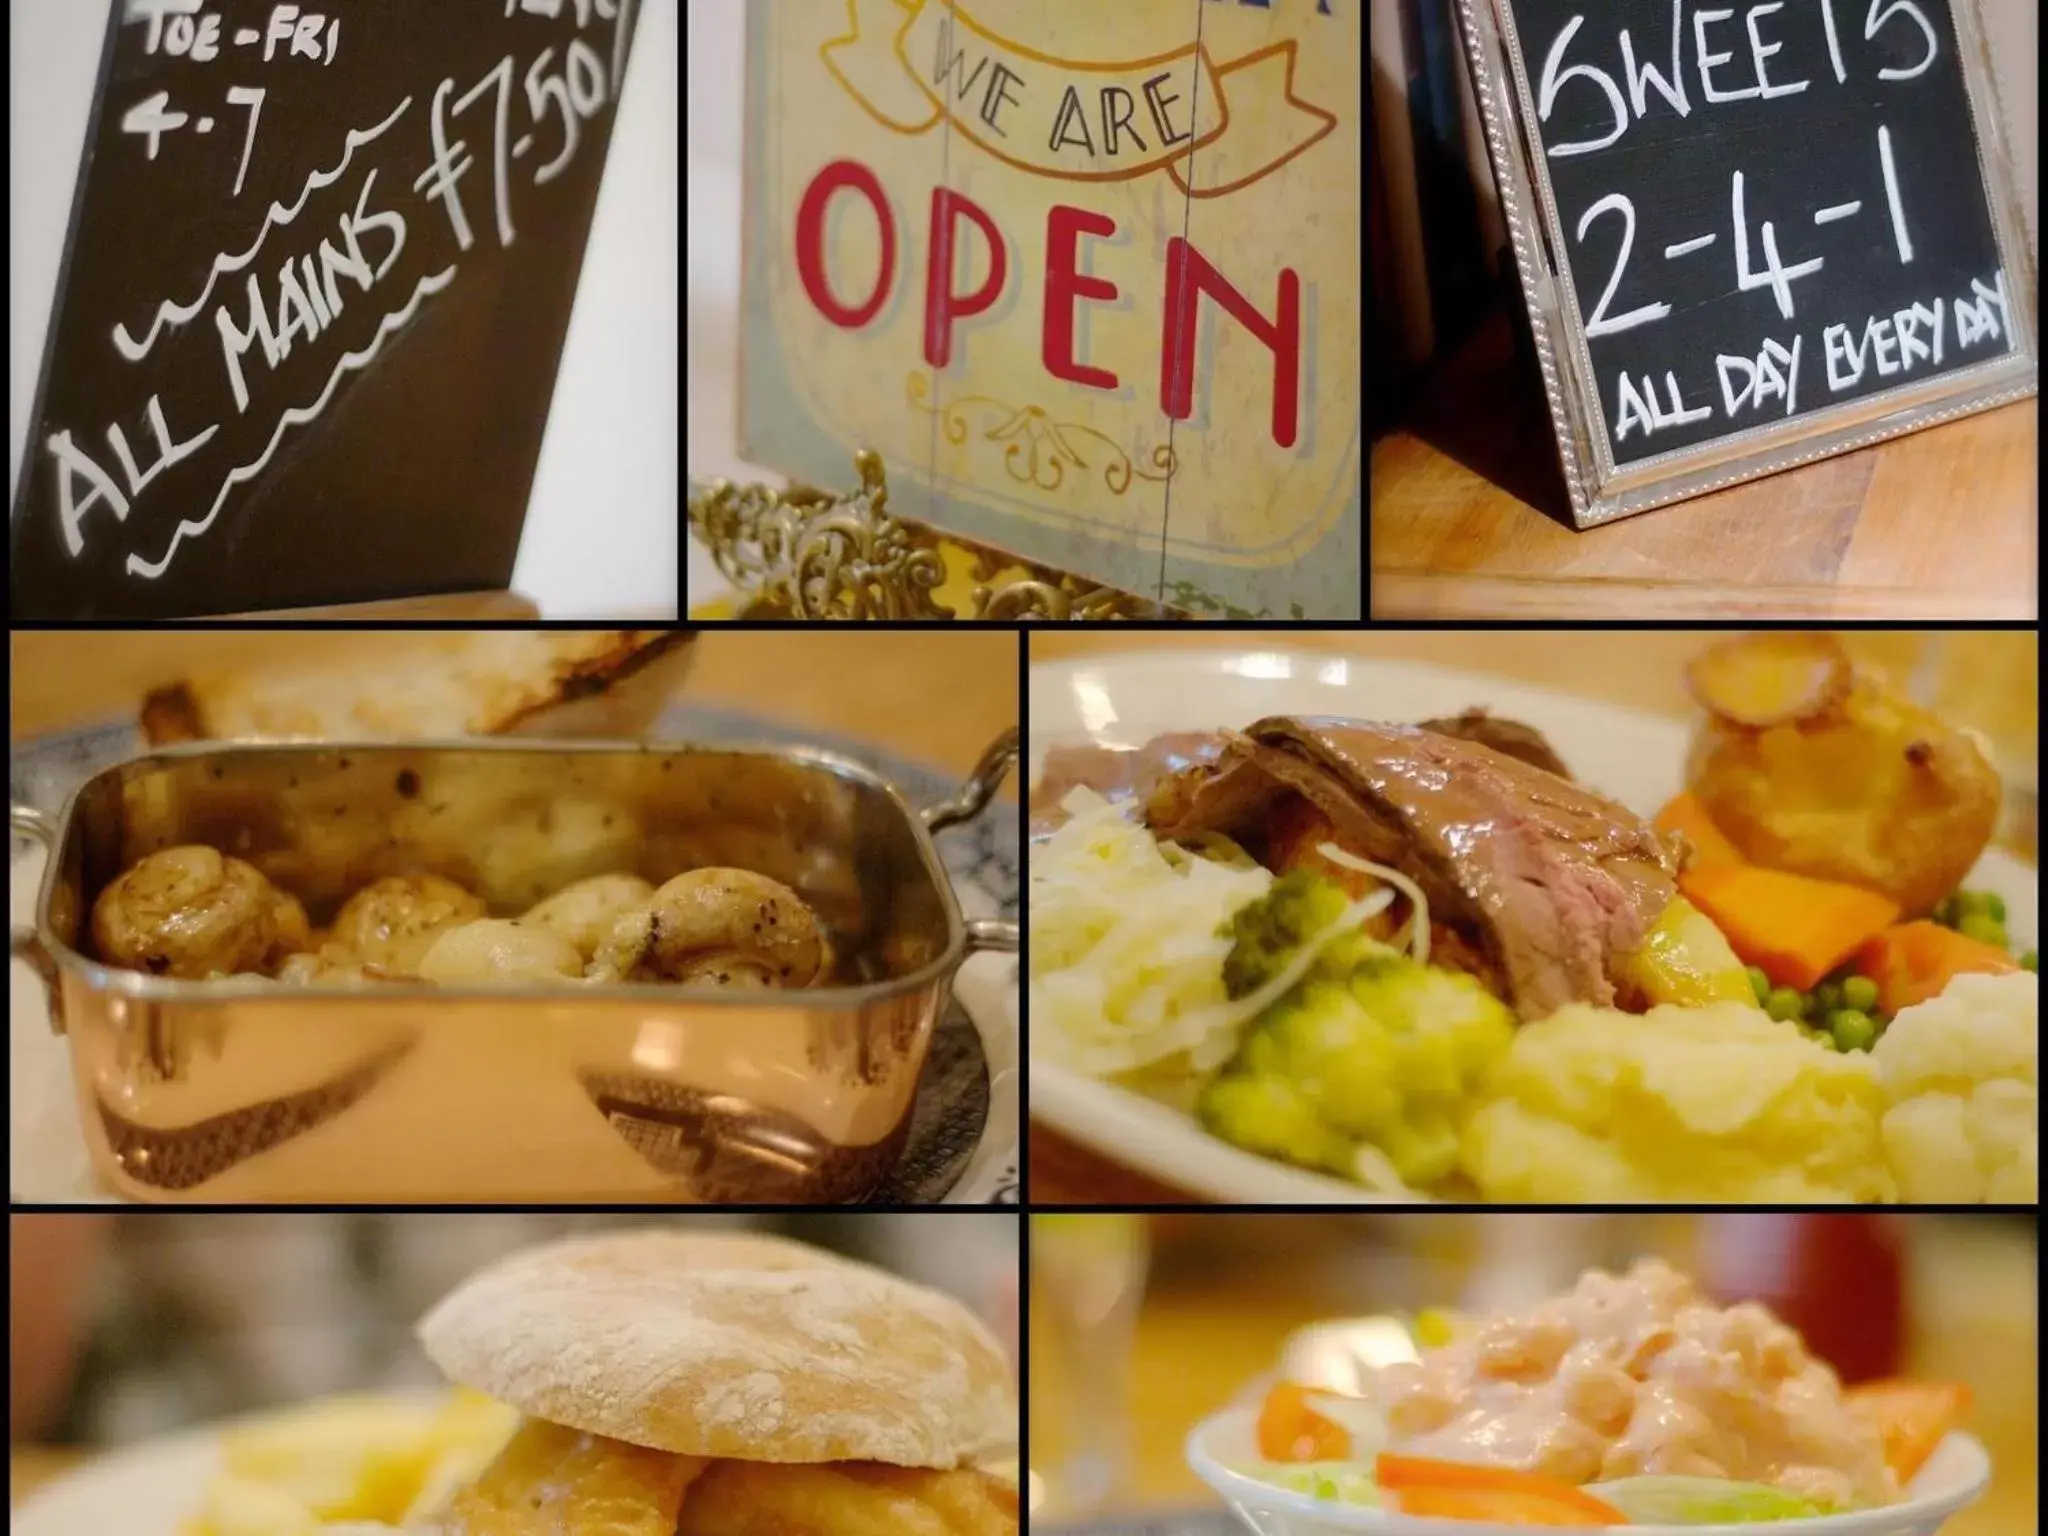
column 1955, row 1475
column 150, row 1489
column 1126, row 700
column 147, row 1490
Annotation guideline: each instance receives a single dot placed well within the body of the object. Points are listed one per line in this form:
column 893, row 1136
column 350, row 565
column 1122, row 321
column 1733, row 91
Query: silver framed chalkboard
column 1866, row 112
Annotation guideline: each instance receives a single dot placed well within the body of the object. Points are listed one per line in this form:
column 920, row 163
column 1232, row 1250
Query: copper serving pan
column 240, row 1090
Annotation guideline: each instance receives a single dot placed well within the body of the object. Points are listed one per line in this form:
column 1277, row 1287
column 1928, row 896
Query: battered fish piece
column 549, row 1480
column 846, row 1498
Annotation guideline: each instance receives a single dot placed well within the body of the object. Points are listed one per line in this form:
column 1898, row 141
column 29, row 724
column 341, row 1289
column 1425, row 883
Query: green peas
column 1853, row 1029
column 1958, row 910
column 1827, row 997
column 1760, row 984
column 1984, row 928
column 1859, row 993
column 1784, row 1005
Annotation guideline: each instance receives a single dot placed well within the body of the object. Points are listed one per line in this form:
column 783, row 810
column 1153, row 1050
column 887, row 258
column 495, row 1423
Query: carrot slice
column 1793, row 929
column 1497, row 1507
column 1916, row 961
column 1687, row 815
column 1910, row 1417
column 1290, row 1429
column 1456, row 1490
column 1769, row 679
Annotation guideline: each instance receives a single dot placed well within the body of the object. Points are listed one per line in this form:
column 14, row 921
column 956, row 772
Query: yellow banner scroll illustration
column 912, row 64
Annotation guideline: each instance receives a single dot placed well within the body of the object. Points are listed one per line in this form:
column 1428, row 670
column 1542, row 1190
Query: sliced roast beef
column 1551, row 883
column 1115, row 773
column 1509, row 736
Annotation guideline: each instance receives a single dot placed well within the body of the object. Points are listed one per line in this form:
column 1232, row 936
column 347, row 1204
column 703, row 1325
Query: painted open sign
column 1086, row 276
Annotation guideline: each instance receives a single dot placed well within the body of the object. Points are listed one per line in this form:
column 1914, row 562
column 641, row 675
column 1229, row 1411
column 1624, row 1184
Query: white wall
column 717, row 60
column 602, row 524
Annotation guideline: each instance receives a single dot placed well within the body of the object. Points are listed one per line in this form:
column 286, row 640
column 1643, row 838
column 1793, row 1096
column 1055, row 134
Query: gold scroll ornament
column 898, row 48
column 805, row 553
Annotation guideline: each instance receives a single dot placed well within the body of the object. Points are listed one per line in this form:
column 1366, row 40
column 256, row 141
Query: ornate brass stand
column 806, row 553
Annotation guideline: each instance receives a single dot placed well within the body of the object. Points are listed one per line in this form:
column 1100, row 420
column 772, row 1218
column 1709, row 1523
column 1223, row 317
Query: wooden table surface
column 1470, row 520
column 1216, row 1319
column 1986, row 679
column 936, row 696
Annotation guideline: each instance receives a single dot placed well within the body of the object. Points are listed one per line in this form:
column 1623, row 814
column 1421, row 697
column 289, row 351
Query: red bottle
column 1840, row 1280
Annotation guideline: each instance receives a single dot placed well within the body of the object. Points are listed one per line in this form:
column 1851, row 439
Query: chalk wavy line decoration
column 881, row 60
column 168, row 313
column 296, row 416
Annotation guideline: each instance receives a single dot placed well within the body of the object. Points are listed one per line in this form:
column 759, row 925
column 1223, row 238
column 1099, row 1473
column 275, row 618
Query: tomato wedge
column 1290, row 1429
column 1456, row 1490
column 1910, row 1417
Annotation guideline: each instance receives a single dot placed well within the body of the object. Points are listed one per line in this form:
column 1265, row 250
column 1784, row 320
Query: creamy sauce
column 1634, row 1376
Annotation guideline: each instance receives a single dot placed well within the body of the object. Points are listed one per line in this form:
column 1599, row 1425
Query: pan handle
column 25, row 944
column 973, row 796
column 992, row 936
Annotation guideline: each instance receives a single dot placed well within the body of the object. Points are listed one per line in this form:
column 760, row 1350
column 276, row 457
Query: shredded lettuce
column 1128, row 942
column 1702, row 1501
column 1338, row 1482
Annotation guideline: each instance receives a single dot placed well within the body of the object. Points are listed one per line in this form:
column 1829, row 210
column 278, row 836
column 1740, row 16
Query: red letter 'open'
column 1188, row 277
column 941, row 305
column 810, row 242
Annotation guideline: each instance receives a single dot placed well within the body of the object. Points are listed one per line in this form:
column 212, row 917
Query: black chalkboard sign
column 319, row 270
column 1767, row 215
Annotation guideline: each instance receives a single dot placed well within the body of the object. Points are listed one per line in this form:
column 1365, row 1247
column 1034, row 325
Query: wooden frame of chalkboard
column 1689, row 130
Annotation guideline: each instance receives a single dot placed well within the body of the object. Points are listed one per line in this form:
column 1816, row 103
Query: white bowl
column 1956, row 1474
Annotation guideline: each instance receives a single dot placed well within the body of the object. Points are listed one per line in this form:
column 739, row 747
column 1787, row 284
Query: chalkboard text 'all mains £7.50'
column 320, row 267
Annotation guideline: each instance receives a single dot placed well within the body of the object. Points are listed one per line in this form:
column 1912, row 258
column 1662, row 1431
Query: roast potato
column 1865, row 787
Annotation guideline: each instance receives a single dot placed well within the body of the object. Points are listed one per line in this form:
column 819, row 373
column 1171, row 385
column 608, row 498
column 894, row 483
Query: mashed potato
column 1724, row 1104
column 1961, row 1072
column 1680, row 1104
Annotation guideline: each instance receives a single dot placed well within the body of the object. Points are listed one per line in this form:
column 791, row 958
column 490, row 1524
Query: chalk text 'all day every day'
column 1926, row 334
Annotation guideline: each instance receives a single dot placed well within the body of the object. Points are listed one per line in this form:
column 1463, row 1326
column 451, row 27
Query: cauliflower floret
column 1719, row 1103
column 1961, row 1072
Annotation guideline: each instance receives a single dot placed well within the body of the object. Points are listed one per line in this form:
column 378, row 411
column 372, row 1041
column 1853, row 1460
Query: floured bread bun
column 725, row 1345
column 528, row 682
